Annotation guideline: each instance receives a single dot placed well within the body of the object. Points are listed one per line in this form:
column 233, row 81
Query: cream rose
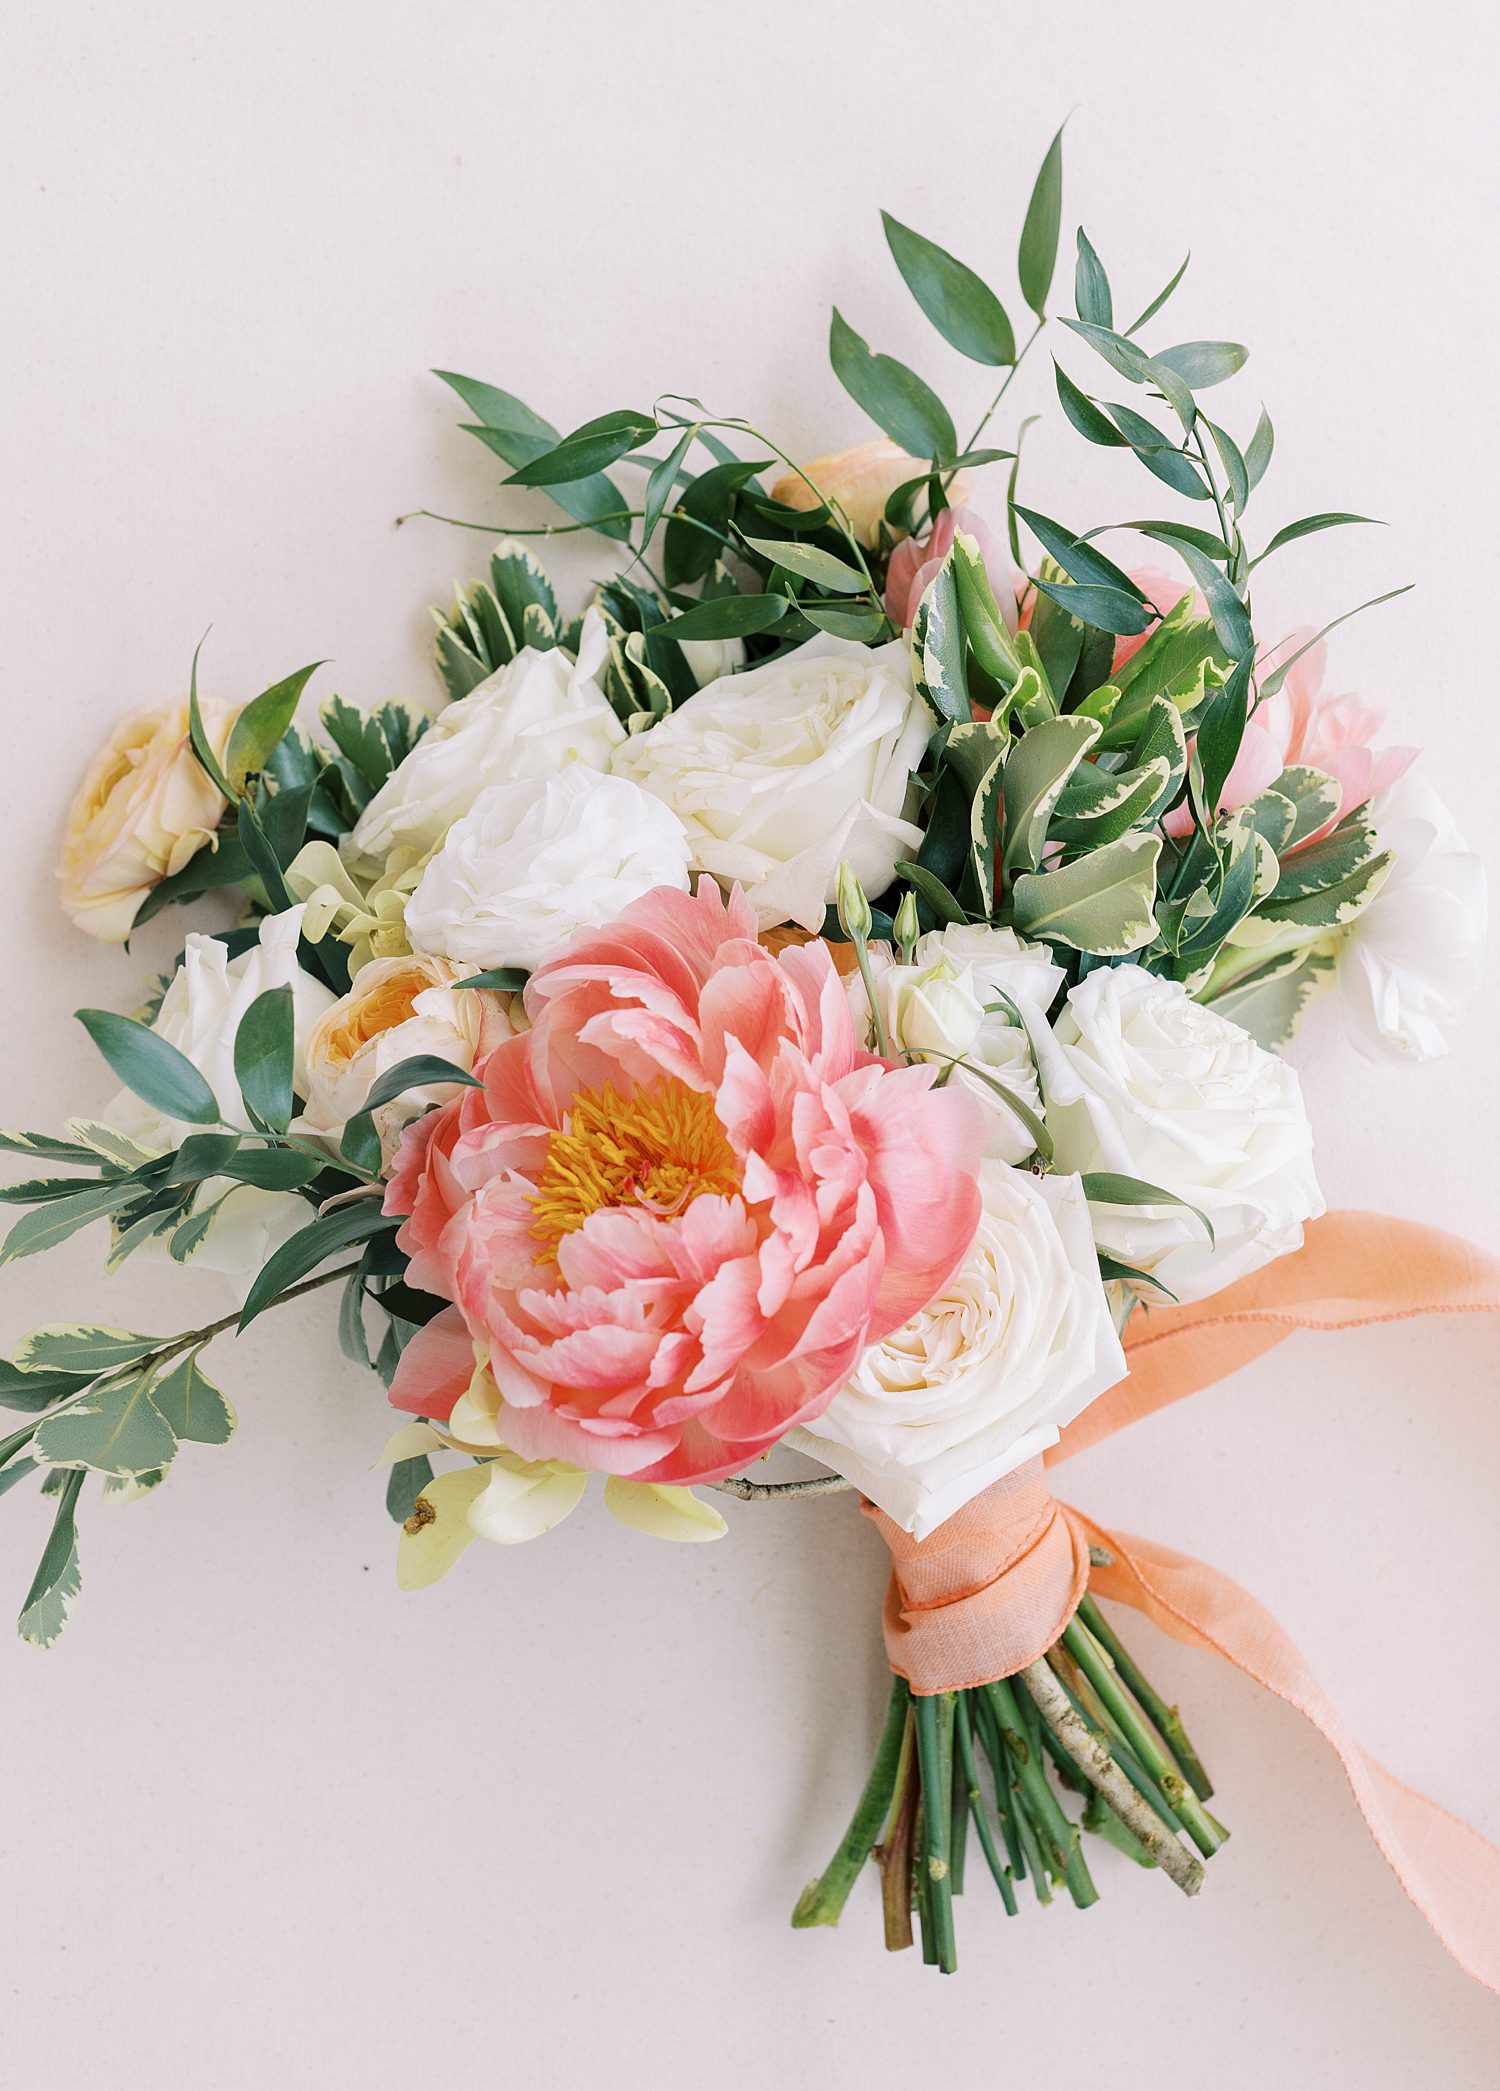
column 1017, row 1343
column 952, row 1003
column 1410, row 961
column 1140, row 1080
column 144, row 808
column 396, row 1009
column 200, row 1014
column 782, row 772
column 861, row 481
column 536, row 860
column 540, row 712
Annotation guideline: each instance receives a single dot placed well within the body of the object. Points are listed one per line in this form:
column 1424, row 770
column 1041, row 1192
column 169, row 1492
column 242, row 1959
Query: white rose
column 536, row 860
column 1142, row 1081
column 1411, row 960
column 540, row 712
column 952, row 1003
column 782, row 772
column 1017, row 1343
column 396, row 1009
column 200, row 1014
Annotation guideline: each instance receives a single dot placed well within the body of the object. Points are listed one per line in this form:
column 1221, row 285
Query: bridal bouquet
column 831, row 994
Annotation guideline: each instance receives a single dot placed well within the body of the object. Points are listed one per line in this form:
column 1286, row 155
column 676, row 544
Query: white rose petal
column 1142, row 1081
column 782, row 772
column 1411, row 961
column 953, row 1002
column 534, row 861
column 1017, row 1344
column 540, row 712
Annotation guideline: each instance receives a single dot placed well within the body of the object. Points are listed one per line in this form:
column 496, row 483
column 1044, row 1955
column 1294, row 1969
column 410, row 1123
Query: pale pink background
column 267, row 1823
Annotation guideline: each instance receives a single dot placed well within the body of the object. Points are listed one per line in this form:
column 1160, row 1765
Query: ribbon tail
column 1449, row 1871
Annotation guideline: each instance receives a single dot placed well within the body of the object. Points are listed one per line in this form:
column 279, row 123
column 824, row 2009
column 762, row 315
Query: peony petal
column 435, row 1368
column 438, row 1530
column 662, row 1511
column 520, row 1501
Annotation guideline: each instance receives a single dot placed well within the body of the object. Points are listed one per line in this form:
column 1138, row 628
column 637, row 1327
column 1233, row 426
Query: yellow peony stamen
column 658, row 1149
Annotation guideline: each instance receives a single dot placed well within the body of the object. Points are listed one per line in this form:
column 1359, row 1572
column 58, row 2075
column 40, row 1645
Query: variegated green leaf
column 1269, row 1002
column 115, row 1429
column 937, row 648
column 1098, row 806
column 1102, row 903
column 1314, row 795
column 193, row 1407
column 1037, row 768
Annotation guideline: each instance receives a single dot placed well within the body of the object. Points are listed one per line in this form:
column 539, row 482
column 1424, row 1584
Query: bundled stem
column 1083, row 1715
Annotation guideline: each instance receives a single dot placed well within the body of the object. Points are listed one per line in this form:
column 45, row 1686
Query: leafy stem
column 989, row 413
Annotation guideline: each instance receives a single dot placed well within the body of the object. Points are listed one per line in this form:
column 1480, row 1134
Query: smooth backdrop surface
column 267, row 1823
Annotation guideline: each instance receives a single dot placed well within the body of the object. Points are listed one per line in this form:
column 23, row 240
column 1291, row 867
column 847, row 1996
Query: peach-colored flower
column 915, row 561
column 1163, row 591
column 861, row 480
column 143, row 809
column 683, row 1202
column 1303, row 724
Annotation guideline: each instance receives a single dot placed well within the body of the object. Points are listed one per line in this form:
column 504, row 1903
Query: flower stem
column 822, row 1901
column 1097, row 1667
column 893, row 1855
column 1167, row 1719
column 1015, row 1716
column 934, row 1721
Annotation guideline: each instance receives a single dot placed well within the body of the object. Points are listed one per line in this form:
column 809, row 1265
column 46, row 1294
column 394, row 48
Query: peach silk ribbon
column 993, row 1588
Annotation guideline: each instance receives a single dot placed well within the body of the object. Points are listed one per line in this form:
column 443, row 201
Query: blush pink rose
column 683, row 1202
column 915, row 562
column 1302, row 724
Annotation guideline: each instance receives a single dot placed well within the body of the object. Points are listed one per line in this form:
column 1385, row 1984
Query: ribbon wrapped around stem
column 995, row 1586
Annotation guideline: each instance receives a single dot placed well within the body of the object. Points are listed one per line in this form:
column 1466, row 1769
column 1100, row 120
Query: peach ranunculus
column 1304, row 724
column 682, row 1204
column 395, row 1010
column 143, row 809
column 915, row 562
column 861, row 480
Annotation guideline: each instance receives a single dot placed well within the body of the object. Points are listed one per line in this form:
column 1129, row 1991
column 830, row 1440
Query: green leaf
column 81, row 1347
column 659, row 485
column 1204, row 363
column 1102, row 903
column 698, row 525
column 272, row 1168
column 1162, row 458
column 1233, row 462
column 55, row 1585
column 509, row 429
column 1258, row 450
column 115, row 1430
column 1098, row 806
column 505, row 980
column 1040, row 1137
column 1037, row 768
column 1082, row 561
column 964, row 309
column 193, row 1407
column 1269, row 1002
column 263, row 1057
column 31, row 1392
column 985, row 814
column 895, row 398
column 587, row 450
column 16, row 1471
column 1107, row 609
column 1315, row 798
column 45, row 1148
column 811, row 563
column 863, row 622
column 939, row 667
column 1231, row 619
column 408, row 1478
column 1221, row 733
column 983, row 620
column 1332, row 520
column 353, row 1341
column 1161, row 296
column 1090, row 420
column 1104, row 1187
column 260, row 726
column 311, row 1245
column 1279, row 674
column 416, row 1073
column 52, row 1223
column 728, row 617
column 1038, row 252
column 934, row 892
column 153, row 1069
column 1091, row 295
column 202, row 747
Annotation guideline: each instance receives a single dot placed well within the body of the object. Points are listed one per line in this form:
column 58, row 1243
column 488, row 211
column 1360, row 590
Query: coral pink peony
column 1302, row 724
column 915, row 561
column 683, row 1202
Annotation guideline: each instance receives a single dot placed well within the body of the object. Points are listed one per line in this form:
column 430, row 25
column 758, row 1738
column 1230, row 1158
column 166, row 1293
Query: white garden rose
column 396, row 1009
column 952, row 1003
column 782, row 772
column 536, row 860
column 1143, row 1081
column 200, row 1015
column 540, row 712
column 1411, row 960
column 1019, row 1341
